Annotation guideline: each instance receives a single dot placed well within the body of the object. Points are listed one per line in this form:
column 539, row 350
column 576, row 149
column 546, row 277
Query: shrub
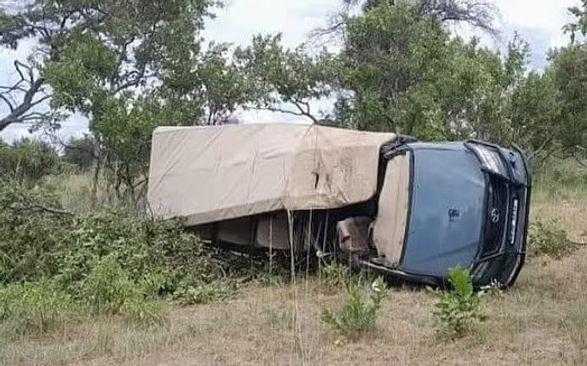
column 141, row 245
column 27, row 161
column 108, row 287
column 31, row 230
column 80, row 152
column 109, row 290
column 104, row 258
column 457, row 311
column 145, row 311
column 271, row 274
column 335, row 275
column 359, row 312
column 204, row 293
column 546, row 238
column 34, row 308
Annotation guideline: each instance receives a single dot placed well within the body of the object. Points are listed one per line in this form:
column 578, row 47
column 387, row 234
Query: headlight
column 490, row 158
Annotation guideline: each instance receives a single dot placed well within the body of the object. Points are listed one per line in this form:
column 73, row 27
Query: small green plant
column 205, row 293
column 272, row 275
column 457, row 310
column 110, row 290
column 108, row 287
column 359, row 312
column 145, row 311
column 335, row 275
column 548, row 239
column 34, row 308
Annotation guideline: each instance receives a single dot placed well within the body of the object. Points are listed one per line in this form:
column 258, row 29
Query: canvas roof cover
column 209, row 174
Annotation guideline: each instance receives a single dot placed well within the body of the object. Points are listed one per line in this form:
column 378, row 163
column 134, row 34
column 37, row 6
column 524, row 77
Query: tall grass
column 560, row 179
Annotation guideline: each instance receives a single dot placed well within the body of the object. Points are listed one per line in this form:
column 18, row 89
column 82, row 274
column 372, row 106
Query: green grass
column 560, row 179
column 34, row 309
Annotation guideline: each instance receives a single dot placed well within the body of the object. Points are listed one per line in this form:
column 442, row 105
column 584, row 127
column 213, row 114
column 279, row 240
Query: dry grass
column 542, row 320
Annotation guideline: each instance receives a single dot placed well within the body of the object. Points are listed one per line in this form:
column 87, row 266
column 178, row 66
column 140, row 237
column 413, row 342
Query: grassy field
column 542, row 320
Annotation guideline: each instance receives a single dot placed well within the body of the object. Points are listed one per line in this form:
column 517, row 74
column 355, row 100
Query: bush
column 109, row 290
column 546, row 238
column 204, row 293
column 111, row 261
column 31, row 230
column 107, row 287
column 359, row 312
column 27, row 161
column 146, row 311
column 34, row 308
column 457, row 311
column 80, row 152
column 141, row 245
column 334, row 276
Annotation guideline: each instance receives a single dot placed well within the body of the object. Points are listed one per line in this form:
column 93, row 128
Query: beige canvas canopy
column 210, row 174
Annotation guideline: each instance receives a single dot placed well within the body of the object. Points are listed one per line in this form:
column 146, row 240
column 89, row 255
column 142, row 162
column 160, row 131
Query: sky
column 539, row 22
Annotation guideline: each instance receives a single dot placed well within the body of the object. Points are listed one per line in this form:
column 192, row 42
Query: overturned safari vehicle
column 413, row 210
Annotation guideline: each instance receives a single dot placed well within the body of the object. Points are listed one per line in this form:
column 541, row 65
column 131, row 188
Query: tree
column 206, row 85
column 23, row 97
column 106, row 59
column 284, row 80
column 404, row 72
column 569, row 70
column 580, row 27
column 477, row 13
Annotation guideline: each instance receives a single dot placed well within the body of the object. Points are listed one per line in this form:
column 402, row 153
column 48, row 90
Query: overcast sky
column 538, row 21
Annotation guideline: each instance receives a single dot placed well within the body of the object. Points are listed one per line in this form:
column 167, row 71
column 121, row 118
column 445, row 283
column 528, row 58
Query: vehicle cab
column 443, row 205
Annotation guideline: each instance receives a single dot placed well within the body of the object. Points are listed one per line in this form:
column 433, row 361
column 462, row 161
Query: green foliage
column 146, row 312
column 569, row 68
column 335, row 276
column 560, row 179
column 109, row 289
column 204, row 293
column 104, row 258
column 285, row 80
column 111, row 61
column 580, row 26
column 457, row 310
column 205, row 88
column 273, row 274
column 31, row 231
column 409, row 75
column 548, row 239
column 27, row 161
column 80, row 152
column 34, row 308
column 411, row 47
column 359, row 311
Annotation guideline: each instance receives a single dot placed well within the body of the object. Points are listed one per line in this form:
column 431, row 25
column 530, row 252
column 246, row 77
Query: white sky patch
column 239, row 20
column 539, row 22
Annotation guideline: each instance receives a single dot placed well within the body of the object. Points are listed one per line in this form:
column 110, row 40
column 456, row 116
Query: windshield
column 447, row 209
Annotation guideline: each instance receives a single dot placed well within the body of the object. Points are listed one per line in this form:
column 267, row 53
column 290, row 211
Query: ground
column 542, row 320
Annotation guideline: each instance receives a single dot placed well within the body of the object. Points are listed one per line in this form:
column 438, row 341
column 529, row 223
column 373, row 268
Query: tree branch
column 301, row 112
column 8, row 103
column 52, row 210
column 29, row 86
